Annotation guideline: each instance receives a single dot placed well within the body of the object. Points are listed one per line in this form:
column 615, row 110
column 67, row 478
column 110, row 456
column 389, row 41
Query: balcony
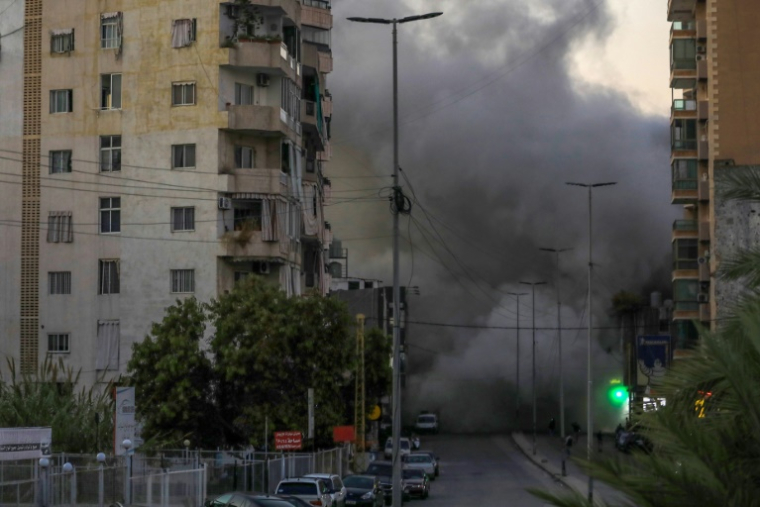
column 247, row 245
column 316, row 13
column 263, row 56
column 683, row 30
column 681, row 10
column 704, row 232
column 684, row 190
column 317, row 56
column 260, row 181
column 686, row 310
column 260, row 120
column 684, row 108
column 686, row 229
column 683, row 75
column 313, row 123
column 289, row 8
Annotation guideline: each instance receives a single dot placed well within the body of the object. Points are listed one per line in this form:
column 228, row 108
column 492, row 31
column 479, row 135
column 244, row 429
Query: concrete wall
column 11, row 118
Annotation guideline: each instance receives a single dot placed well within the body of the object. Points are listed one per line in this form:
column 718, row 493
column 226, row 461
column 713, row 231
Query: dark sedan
column 417, row 483
column 239, row 499
column 364, row 491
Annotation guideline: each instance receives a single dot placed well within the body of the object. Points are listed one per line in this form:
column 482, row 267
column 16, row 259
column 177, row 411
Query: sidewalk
column 549, row 454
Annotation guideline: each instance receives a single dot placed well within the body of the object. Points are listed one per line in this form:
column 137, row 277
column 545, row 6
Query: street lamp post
column 127, row 445
column 589, row 376
column 533, row 290
column 517, row 359
column 397, row 197
column 101, row 457
column 559, row 341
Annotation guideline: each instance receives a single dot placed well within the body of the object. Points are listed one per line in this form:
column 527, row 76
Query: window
column 683, row 54
column 109, row 334
column 183, row 32
column 247, row 214
column 110, row 153
column 285, row 157
column 110, row 215
column 183, row 156
column 183, row 94
column 108, row 276
column 183, row 219
column 62, row 41
column 110, row 91
column 60, row 161
column 243, row 94
column 61, row 101
column 685, row 254
column 683, row 134
column 60, row 229
column 684, row 174
column 58, row 343
column 244, row 157
column 241, row 275
column 110, row 30
column 59, row 282
column 291, row 99
column 183, row 280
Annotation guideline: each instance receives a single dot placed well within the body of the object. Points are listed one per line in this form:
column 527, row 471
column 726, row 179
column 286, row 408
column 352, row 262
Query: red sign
column 287, row 440
column 343, row 434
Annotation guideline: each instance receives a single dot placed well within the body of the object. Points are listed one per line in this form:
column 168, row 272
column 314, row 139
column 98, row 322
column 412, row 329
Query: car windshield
column 418, row 458
column 404, row 444
column 426, row 419
column 297, row 488
column 359, row 482
column 376, row 469
column 411, row 473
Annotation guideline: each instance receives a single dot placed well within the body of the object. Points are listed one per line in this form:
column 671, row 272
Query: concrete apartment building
column 152, row 151
column 715, row 126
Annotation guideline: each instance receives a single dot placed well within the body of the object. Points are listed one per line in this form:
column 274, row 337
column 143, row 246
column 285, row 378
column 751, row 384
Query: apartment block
column 715, row 126
column 153, row 151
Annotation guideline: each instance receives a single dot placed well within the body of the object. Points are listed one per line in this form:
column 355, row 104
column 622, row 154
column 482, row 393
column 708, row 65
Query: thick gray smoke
column 492, row 126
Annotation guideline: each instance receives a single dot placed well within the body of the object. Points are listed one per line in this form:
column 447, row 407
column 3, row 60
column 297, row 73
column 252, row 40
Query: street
column 483, row 470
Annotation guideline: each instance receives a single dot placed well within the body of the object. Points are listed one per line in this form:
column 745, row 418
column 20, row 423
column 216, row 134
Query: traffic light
column 617, row 393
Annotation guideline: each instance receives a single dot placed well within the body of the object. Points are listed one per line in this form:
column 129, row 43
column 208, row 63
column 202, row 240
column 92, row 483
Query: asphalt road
column 483, row 471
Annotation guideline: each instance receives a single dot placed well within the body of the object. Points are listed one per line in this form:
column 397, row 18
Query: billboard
column 25, row 443
column 287, row 440
column 124, row 419
column 653, row 357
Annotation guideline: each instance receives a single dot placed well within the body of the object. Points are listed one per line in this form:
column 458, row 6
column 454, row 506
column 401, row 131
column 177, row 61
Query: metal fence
column 183, row 478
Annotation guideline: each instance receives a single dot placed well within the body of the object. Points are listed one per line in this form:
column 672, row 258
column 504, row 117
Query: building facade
column 715, row 124
column 152, row 151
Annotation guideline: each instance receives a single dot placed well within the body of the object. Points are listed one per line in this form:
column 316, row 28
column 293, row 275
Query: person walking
column 552, row 426
column 568, row 444
column 576, row 431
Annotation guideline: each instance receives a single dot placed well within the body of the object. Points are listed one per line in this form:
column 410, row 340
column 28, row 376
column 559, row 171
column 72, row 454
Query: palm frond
column 743, row 265
column 740, row 184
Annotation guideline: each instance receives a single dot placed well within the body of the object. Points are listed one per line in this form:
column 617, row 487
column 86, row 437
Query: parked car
column 422, row 461
column 404, row 445
column 627, row 441
column 383, row 470
column 240, row 499
column 427, row 422
column 363, row 491
column 314, row 491
column 335, row 486
column 436, row 460
column 417, row 482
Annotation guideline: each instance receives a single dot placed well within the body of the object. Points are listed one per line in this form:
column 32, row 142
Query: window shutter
column 72, row 40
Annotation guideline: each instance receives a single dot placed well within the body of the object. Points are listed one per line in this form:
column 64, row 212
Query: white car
column 335, row 485
column 421, row 461
column 426, row 423
column 405, row 447
column 311, row 490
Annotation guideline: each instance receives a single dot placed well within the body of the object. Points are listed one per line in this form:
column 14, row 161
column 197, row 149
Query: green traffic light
column 618, row 395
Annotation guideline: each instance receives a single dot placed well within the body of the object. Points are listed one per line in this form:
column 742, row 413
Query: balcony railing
column 322, row 4
column 685, row 225
column 683, row 25
column 685, row 184
column 684, row 144
column 684, row 105
column 686, row 306
column 679, row 264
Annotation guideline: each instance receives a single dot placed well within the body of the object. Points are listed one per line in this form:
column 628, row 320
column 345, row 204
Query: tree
column 265, row 351
column 377, row 361
column 81, row 420
column 706, row 440
column 173, row 379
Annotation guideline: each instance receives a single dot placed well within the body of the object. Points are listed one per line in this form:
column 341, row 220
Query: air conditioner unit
column 262, row 268
column 702, row 298
column 701, row 57
column 225, row 203
column 701, row 49
column 701, row 260
column 262, row 79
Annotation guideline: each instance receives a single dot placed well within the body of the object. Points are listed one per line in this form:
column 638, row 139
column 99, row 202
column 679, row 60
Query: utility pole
column 559, row 341
column 398, row 196
column 533, row 287
column 517, row 359
column 589, row 372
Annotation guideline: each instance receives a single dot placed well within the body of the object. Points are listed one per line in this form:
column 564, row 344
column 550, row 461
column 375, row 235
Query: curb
column 544, row 464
